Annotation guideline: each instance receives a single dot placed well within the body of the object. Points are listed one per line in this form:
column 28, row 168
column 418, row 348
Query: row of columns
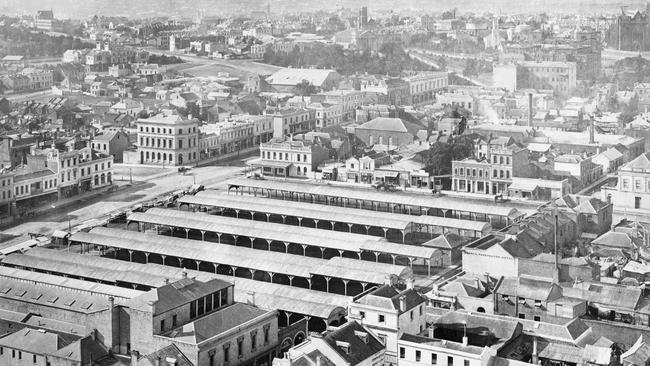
column 375, row 205
column 252, row 271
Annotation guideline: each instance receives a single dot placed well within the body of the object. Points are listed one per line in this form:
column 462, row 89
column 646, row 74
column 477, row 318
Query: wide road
column 110, row 202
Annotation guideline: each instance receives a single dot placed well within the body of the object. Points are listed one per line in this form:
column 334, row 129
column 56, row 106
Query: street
column 101, row 205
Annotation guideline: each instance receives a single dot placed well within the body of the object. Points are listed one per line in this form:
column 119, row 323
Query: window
column 13, row 353
column 34, row 358
column 381, row 318
column 266, row 334
column 240, row 347
column 537, row 318
column 522, row 316
column 382, row 338
column 434, row 358
column 465, row 362
column 162, row 325
column 174, row 320
column 411, row 314
column 637, row 185
column 450, row 361
column 253, row 340
column 362, row 314
column 20, row 355
column 402, row 352
column 193, row 310
column 626, row 183
column 226, row 353
column 421, row 309
column 418, row 355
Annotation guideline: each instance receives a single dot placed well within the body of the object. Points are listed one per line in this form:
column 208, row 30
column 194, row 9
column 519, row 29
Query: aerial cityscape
column 345, row 183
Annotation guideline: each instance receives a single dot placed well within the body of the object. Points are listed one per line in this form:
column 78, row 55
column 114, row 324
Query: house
column 633, row 188
column 450, row 245
column 392, row 132
column 389, row 313
column 351, row 344
column 290, row 158
column 582, row 168
column 286, row 80
column 609, row 159
column 112, row 143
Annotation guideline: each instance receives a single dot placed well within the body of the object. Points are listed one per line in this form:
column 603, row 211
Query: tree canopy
column 391, row 60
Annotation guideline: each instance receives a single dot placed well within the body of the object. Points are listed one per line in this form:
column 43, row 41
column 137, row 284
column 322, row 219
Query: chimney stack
column 432, row 331
column 402, row 303
column 535, row 358
column 318, row 361
column 184, row 273
column 591, row 130
column 530, row 109
column 409, row 284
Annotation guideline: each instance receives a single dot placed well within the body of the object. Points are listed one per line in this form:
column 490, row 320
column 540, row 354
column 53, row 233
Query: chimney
column 111, row 302
column 318, row 361
column 184, row 273
column 402, row 303
column 591, row 130
column 530, row 109
column 171, row 361
column 432, row 331
column 409, row 284
column 156, row 361
column 465, row 340
column 535, row 358
column 251, row 294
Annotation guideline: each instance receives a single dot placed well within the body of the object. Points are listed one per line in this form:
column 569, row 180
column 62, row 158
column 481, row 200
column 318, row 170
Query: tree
column 305, row 88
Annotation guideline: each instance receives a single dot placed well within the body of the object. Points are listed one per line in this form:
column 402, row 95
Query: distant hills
column 188, row 8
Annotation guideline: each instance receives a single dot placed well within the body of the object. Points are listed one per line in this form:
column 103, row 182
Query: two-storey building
column 290, row 121
column 288, row 158
column 423, row 86
column 389, row 313
column 167, row 138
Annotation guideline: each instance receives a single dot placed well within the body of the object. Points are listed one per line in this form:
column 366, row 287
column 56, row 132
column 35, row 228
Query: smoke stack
column 409, row 283
column 432, row 331
column 591, row 130
column 535, row 358
column 530, row 109
column 402, row 303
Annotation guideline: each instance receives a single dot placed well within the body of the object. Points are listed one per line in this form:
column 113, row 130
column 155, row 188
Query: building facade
column 168, row 139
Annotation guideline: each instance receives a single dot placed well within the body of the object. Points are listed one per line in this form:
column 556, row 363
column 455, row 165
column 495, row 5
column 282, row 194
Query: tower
column 363, row 17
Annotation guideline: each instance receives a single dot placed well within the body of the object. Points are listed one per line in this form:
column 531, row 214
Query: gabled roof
column 446, row 241
column 529, row 288
column 641, row 162
column 354, row 343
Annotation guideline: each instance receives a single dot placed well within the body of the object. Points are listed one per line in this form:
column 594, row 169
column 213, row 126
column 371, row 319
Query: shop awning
column 270, row 163
column 386, row 174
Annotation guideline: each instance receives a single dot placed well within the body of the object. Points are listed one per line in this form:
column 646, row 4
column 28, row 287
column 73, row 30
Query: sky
column 87, row 8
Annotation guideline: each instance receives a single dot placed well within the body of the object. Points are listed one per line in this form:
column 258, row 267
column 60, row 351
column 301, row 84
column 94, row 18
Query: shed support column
column 304, row 249
column 234, row 269
column 203, row 235
column 316, row 224
column 252, row 240
column 215, row 267
column 290, row 280
column 271, row 274
column 332, row 222
column 394, row 256
column 322, row 253
column 187, row 233
column 385, row 231
column 411, row 262
column 363, row 286
column 288, row 314
column 180, row 262
column 345, row 287
column 286, row 247
column 218, row 238
column 309, row 282
column 269, row 243
column 146, row 258
column 367, row 229
column 268, row 217
column 252, row 273
column 252, row 215
column 376, row 257
column 350, row 228
column 130, row 255
column 284, row 218
column 198, row 264
column 299, row 221
column 163, row 259
column 429, row 267
column 235, row 236
column 403, row 236
column 327, row 282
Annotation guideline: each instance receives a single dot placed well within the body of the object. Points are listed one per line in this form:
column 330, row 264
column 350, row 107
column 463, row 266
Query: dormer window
column 362, row 335
column 345, row 346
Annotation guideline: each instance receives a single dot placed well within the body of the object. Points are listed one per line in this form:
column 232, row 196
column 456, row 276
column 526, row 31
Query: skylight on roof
column 53, row 299
column 5, row 290
column 69, row 302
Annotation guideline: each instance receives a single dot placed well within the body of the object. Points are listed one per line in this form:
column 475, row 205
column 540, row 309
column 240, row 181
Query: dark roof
column 169, row 351
column 388, row 297
column 362, row 344
column 181, row 292
column 503, row 328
